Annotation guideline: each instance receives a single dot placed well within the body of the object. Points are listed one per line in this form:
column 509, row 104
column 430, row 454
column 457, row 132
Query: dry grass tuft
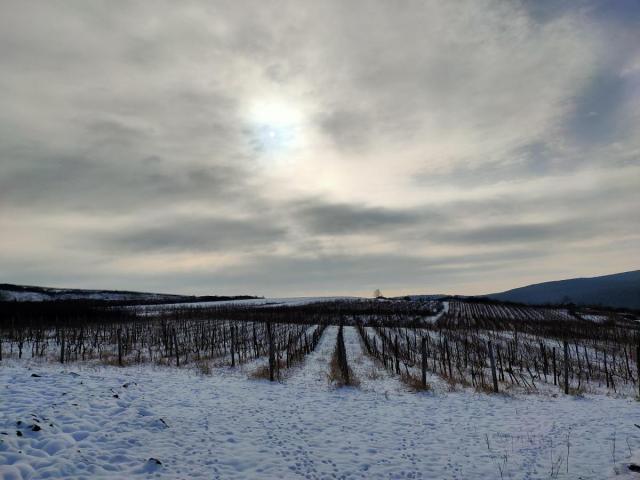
column 374, row 374
column 204, row 368
column 577, row 391
column 261, row 373
column 484, row 388
column 414, row 383
column 112, row 360
column 334, row 376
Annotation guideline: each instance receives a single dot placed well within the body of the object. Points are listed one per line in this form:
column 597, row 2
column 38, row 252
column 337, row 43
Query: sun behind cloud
column 275, row 126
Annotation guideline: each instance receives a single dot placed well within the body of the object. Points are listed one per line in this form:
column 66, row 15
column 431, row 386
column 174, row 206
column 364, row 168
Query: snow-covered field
column 41, row 294
column 109, row 422
column 253, row 302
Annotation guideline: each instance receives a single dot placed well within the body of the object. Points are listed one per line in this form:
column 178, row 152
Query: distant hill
column 25, row 293
column 620, row 290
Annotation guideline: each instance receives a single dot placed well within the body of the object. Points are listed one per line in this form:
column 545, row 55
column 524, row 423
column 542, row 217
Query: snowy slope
column 109, row 422
column 21, row 293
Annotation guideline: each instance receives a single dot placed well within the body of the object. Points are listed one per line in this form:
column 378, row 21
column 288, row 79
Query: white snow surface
column 230, row 427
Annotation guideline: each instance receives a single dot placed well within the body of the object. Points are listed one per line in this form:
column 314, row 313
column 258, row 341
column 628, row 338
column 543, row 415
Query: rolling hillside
column 620, row 290
column 25, row 293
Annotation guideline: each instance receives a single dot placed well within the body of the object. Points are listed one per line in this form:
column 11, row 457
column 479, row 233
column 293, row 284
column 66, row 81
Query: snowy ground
column 108, row 422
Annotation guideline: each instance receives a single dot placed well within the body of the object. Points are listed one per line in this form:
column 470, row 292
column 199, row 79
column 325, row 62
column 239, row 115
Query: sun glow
column 275, row 126
column 274, row 112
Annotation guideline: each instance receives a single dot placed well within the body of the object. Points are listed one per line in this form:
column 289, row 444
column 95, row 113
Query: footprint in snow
column 152, row 465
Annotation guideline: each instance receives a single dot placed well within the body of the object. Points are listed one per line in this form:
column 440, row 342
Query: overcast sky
column 318, row 147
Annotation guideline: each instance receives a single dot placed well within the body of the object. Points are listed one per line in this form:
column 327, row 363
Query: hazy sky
column 318, row 147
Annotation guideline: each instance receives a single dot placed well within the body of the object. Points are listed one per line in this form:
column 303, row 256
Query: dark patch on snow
column 35, row 375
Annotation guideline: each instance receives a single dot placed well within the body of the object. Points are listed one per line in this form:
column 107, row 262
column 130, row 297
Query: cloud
column 195, row 235
column 437, row 145
column 45, row 183
column 519, row 234
column 325, row 218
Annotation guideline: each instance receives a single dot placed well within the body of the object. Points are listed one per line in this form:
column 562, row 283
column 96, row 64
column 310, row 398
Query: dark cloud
column 195, row 235
column 324, row 218
column 94, row 185
column 518, row 234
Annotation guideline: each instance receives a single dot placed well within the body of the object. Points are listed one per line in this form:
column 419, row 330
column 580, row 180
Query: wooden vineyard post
column 233, row 345
column 448, row 353
column 566, row 367
column 637, row 366
column 494, row 376
column 606, row 373
column 175, row 347
column 500, row 363
column 62, row 346
column 397, row 355
column 555, row 375
column 119, row 347
column 272, row 359
column 255, row 342
column 423, row 348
